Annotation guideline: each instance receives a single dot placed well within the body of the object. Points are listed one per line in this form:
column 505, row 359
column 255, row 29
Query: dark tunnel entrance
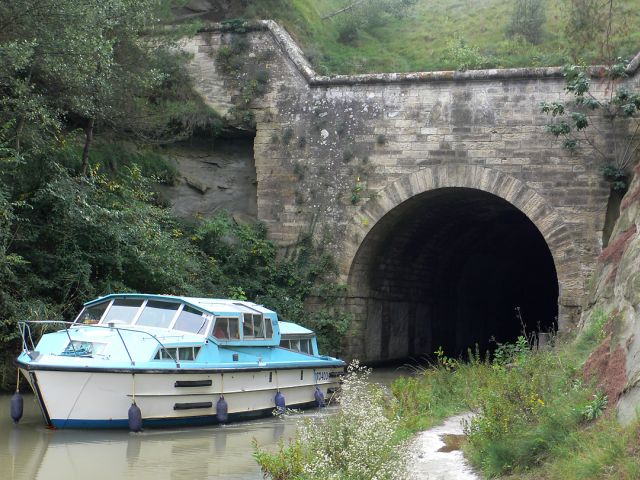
column 453, row 267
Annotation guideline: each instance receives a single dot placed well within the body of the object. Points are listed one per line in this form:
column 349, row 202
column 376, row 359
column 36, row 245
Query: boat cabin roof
column 232, row 322
column 214, row 306
column 288, row 328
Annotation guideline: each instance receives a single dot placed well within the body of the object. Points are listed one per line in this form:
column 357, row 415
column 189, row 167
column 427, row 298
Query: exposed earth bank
column 615, row 292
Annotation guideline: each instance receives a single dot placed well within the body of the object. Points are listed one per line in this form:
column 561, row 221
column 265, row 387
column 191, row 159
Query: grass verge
column 537, row 417
column 444, row 35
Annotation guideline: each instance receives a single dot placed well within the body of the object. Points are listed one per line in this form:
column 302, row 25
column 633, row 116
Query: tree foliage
column 87, row 91
column 527, row 20
column 91, row 65
column 608, row 122
column 362, row 15
column 67, row 239
column 588, row 22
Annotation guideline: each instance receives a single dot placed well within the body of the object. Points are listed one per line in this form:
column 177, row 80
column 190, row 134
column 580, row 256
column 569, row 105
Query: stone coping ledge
column 296, row 55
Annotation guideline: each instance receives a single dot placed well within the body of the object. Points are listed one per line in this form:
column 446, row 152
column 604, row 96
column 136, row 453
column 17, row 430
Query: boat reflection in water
column 30, row 451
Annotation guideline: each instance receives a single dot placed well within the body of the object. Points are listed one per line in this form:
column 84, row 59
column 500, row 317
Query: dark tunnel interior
column 453, row 267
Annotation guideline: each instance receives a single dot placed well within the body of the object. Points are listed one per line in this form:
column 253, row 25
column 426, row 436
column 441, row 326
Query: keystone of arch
column 549, row 222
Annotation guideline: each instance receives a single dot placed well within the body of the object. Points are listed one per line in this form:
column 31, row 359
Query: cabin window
column 177, row 353
column 185, row 354
column 77, row 348
column 253, row 325
column 298, row 345
column 247, row 325
column 234, row 328
column 92, row 315
column 158, row 314
column 122, row 311
column 167, row 354
column 269, row 328
column 190, row 320
column 226, row 328
column 258, row 326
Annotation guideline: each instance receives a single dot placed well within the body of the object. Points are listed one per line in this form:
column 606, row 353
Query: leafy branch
column 619, row 109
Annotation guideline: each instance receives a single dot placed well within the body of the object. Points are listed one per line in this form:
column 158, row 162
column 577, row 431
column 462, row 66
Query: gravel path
column 432, row 461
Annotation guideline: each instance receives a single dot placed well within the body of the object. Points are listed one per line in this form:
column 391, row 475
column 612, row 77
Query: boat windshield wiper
column 202, row 325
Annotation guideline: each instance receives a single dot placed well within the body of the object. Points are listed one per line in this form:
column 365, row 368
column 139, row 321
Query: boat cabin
column 226, row 321
column 298, row 339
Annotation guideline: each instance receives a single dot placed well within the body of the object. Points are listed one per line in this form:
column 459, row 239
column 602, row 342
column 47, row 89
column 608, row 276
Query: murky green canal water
column 30, row 451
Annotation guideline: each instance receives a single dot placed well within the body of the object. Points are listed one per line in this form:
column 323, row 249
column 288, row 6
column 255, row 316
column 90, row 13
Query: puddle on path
column 437, row 454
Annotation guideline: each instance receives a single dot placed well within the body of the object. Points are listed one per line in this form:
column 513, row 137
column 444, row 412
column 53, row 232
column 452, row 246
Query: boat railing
column 27, row 337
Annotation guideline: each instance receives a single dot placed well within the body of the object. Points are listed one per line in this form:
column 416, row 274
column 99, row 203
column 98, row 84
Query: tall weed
column 357, row 443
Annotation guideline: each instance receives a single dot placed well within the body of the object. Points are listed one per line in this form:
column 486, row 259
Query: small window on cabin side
column 234, row 328
column 247, row 325
column 304, row 346
column 168, row 353
column 179, row 353
column 269, row 327
column 185, row 353
column 158, row 314
column 190, row 320
column 285, row 344
column 258, row 326
column 122, row 311
column 221, row 328
column 253, row 326
column 91, row 315
column 227, row 328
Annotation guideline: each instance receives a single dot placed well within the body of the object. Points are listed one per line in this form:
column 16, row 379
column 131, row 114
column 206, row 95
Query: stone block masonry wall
column 334, row 155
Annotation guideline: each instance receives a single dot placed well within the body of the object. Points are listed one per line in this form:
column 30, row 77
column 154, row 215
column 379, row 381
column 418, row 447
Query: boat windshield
column 122, row 311
column 158, row 314
column 92, row 315
column 191, row 320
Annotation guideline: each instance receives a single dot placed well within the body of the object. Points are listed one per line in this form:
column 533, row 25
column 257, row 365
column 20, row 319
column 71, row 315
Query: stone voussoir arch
column 549, row 222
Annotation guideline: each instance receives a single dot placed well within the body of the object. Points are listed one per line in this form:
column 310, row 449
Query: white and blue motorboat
column 172, row 361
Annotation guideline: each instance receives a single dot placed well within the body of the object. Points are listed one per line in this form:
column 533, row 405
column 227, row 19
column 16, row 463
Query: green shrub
column 531, row 406
column 438, row 391
column 359, row 442
column 80, row 237
column 527, row 20
column 605, row 450
column 369, row 14
column 464, row 56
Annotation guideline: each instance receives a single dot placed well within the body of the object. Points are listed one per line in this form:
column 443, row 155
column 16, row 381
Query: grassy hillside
column 446, row 34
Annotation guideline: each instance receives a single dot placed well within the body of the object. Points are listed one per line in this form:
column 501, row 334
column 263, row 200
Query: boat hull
column 101, row 398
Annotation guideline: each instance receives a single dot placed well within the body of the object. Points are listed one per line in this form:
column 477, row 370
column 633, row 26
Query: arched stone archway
column 505, row 239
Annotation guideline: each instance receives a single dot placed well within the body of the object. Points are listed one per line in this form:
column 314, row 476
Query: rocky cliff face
column 213, row 176
column 615, row 291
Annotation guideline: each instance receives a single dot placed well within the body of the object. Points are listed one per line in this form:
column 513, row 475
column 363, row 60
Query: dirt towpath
column 433, row 459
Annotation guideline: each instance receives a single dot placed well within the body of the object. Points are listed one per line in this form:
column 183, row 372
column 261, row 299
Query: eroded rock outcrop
column 615, row 290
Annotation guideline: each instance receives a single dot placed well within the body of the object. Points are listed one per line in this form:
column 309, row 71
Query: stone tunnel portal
column 452, row 267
